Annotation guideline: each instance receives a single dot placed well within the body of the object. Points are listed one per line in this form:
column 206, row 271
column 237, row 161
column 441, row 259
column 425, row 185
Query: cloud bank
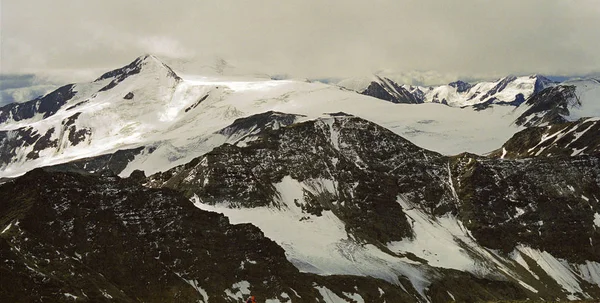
column 306, row 38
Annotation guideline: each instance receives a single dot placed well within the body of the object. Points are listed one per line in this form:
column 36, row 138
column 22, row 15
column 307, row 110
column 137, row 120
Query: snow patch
column 6, row 228
column 329, row 296
column 557, row 269
column 238, row 290
column 435, row 240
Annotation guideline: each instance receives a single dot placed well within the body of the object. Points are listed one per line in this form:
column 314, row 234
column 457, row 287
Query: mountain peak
column 144, row 62
column 460, row 86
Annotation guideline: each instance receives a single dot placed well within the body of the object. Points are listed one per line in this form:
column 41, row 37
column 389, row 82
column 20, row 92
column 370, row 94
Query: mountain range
column 146, row 185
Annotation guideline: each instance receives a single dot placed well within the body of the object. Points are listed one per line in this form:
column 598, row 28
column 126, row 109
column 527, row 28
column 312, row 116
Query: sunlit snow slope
column 147, row 104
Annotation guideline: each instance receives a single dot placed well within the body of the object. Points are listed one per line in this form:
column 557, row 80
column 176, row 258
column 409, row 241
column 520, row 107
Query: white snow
column 451, row 295
column 356, row 297
column 70, row 296
column 435, row 241
column 590, row 271
column 518, row 257
column 597, row 219
column 528, row 287
column 106, row 294
column 329, row 296
column 238, row 291
column 6, row 228
column 557, row 269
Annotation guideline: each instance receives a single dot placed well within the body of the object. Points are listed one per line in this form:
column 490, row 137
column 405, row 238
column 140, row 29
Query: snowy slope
column 177, row 118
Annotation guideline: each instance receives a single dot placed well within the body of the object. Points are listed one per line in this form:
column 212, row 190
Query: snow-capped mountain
column 145, row 104
column 381, row 88
column 325, row 195
column 509, row 90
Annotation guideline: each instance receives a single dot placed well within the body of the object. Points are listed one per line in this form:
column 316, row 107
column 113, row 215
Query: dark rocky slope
column 101, row 239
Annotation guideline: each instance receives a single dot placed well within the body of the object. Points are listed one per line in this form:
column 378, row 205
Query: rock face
column 544, row 204
column 335, row 148
column 68, row 236
column 460, row 86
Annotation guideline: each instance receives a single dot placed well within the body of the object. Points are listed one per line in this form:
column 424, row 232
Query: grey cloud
column 308, row 38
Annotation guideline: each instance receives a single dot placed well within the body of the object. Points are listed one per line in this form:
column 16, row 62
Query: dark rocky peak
column 461, row 86
column 47, row 105
column 549, row 106
column 370, row 165
column 387, row 89
column 143, row 63
column 541, row 83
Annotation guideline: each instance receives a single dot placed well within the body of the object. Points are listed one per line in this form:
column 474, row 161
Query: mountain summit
column 147, row 63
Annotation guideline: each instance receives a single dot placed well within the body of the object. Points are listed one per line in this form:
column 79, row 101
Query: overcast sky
column 305, row 38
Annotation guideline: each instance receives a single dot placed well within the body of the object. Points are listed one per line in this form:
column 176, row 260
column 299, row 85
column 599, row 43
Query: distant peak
column 458, row 83
column 143, row 62
column 540, row 77
column 460, row 86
